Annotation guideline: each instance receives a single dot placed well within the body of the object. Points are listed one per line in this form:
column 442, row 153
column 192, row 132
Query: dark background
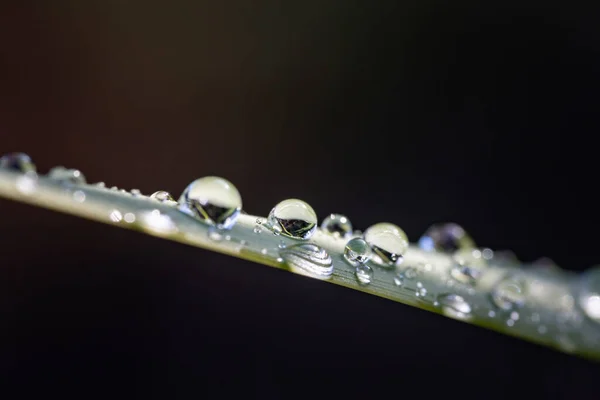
column 413, row 112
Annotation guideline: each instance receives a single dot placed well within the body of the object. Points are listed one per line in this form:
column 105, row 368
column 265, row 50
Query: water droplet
column 487, row 254
column 407, row 274
column 421, row 291
column 27, row 183
column 116, row 216
column 157, row 223
column 136, row 192
column 282, row 245
column 338, row 225
column 129, row 218
column 215, row 234
column 163, row 196
column 357, row 251
column 67, row 175
column 293, row 218
column 213, row 200
column 364, row 274
column 508, row 294
column 468, row 266
column 18, row 162
column 510, row 322
column 514, row 315
column 491, row 314
column 257, row 229
column 228, row 237
column 454, row 306
column 263, row 252
column 114, row 188
column 445, row 238
column 388, row 242
column 100, row 184
column 589, row 293
column 308, row 259
column 79, row 196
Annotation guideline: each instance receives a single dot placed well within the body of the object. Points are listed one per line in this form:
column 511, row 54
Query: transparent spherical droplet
column 67, row 175
column 589, row 293
column 508, row 294
column 454, row 306
column 445, row 238
column 364, row 274
column 293, row 218
column 308, row 259
column 468, row 266
column 338, row 225
column 408, row 274
column 163, row 196
column 157, row 223
column 357, row 251
column 27, row 183
column 388, row 242
column 213, row 200
column 18, row 162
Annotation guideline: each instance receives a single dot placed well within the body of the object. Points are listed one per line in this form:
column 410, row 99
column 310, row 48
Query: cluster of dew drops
column 217, row 203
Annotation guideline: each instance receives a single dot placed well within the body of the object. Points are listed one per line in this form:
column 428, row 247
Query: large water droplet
column 18, row 162
column 357, row 251
column 213, row 200
column 589, row 293
column 454, row 306
column 338, row 225
column 445, row 238
column 508, row 294
column 308, row 259
column 388, row 242
column 364, row 274
column 468, row 266
column 293, row 218
column 67, row 175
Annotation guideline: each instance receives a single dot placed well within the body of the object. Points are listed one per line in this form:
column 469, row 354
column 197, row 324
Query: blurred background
column 411, row 112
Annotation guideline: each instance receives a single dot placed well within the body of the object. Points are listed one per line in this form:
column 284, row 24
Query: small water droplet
column 337, row 225
column 213, row 200
column 228, row 237
column 79, row 196
column 491, row 314
column 405, row 275
column 357, row 251
column 67, row 175
column 364, row 274
column 257, row 229
column 445, row 238
column 282, row 245
column 158, row 223
column 100, row 184
column 215, row 235
column 136, row 192
column 454, row 306
column 514, row 315
column 388, row 243
column 114, row 188
column 115, row 216
column 421, row 292
column 27, row 183
column 129, row 218
column 18, row 162
column 279, row 259
column 293, row 218
column 510, row 322
column 487, row 254
column 263, row 252
column 589, row 293
column 468, row 266
column 164, row 197
column 308, row 259
column 509, row 293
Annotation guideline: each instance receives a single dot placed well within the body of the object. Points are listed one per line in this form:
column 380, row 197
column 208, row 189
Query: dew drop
column 308, row 259
column 18, row 162
column 100, row 184
column 589, row 293
column 67, row 175
column 79, row 196
column 114, row 188
column 445, row 238
column 388, row 243
column 293, row 218
column 454, row 306
column 163, row 196
column 508, row 294
column 213, row 200
column 257, row 229
column 364, row 274
column 136, row 192
column 129, row 218
column 468, row 266
column 116, row 216
column 407, row 274
column 357, row 251
column 337, row 225
column 27, row 183
column 157, row 223
column 263, row 252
